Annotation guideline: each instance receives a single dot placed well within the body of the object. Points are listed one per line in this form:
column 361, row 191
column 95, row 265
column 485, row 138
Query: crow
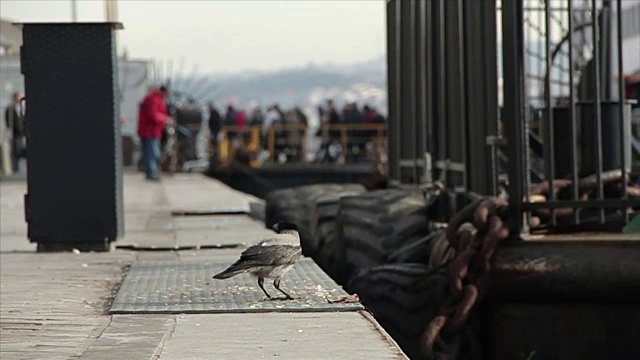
column 271, row 258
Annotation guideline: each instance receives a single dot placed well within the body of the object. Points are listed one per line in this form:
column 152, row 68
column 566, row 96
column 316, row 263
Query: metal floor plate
column 187, row 287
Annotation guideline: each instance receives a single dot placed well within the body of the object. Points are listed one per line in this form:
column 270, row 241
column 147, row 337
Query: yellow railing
column 251, row 139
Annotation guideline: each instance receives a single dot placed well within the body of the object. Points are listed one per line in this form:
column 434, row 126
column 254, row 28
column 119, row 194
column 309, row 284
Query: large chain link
column 474, row 233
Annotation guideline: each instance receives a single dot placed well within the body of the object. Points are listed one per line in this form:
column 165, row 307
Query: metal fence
column 565, row 118
column 525, row 95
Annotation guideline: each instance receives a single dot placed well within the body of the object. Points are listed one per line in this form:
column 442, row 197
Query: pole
column 111, row 14
column 74, row 10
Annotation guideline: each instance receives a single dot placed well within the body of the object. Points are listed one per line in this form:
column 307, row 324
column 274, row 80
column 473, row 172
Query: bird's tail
column 232, row 270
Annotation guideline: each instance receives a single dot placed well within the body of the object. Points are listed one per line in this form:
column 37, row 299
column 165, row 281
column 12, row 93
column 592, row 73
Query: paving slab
column 222, row 238
column 210, row 197
column 151, row 225
column 52, row 306
column 131, row 337
column 143, row 196
column 294, row 336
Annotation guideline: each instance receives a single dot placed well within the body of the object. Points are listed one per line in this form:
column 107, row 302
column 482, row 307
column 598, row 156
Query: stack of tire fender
column 403, row 298
column 297, row 204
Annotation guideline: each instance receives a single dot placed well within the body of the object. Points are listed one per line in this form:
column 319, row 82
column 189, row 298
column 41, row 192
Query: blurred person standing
column 152, row 119
column 332, row 119
column 230, row 120
column 256, row 117
column 297, row 135
column 272, row 117
column 16, row 128
column 241, row 123
column 215, row 125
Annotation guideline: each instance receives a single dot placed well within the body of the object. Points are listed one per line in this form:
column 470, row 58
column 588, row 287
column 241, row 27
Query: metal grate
column 187, row 287
column 566, row 119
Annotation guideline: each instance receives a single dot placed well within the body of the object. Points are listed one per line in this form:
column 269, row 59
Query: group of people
column 288, row 139
column 285, row 141
column 15, row 136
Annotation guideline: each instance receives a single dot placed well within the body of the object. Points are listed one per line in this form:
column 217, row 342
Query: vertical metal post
column 621, row 91
column 413, row 86
column 596, row 108
column 549, row 141
column 441, row 119
column 425, row 76
column 393, row 66
column 111, row 13
column 513, row 75
column 398, row 86
column 74, row 10
column 462, row 101
column 428, row 80
column 572, row 114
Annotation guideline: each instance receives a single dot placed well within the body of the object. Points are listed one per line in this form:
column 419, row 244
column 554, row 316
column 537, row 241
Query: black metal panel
column 75, row 153
column 430, row 81
column 408, row 120
column 482, row 97
column 454, row 71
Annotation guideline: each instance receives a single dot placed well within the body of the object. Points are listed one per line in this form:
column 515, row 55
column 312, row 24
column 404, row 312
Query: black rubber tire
column 323, row 234
column 275, row 200
column 296, row 204
column 373, row 226
column 403, row 298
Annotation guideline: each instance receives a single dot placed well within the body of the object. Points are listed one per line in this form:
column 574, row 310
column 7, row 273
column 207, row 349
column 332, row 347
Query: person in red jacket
column 153, row 117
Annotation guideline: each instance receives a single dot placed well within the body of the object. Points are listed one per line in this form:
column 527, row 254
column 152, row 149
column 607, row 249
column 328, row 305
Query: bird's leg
column 276, row 284
column 261, row 284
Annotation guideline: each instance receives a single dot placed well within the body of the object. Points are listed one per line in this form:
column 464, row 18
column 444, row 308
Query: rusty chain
column 474, row 233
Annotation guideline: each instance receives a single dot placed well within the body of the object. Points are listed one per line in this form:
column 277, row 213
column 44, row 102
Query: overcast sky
column 228, row 36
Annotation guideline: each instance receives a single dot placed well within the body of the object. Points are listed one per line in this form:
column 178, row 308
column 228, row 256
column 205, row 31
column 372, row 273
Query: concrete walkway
column 54, row 306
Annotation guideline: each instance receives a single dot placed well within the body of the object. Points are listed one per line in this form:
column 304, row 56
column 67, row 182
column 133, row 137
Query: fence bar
column 398, row 89
column 441, row 119
column 592, row 204
column 596, row 84
column 572, row 114
column 424, row 64
column 621, row 96
column 393, row 88
column 460, row 88
column 513, row 74
column 413, row 86
column 550, row 143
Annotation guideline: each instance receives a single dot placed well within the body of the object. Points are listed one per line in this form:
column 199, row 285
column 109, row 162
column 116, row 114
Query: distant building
column 10, row 38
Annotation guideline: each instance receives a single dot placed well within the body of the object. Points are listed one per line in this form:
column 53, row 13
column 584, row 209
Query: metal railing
column 292, row 141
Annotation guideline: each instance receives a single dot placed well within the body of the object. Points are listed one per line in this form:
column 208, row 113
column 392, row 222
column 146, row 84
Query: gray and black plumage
column 271, row 258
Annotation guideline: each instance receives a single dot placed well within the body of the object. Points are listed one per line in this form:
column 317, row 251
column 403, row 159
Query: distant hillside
column 305, row 86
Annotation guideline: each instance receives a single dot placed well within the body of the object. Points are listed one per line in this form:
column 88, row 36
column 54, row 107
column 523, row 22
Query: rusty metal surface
column 574, row 270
